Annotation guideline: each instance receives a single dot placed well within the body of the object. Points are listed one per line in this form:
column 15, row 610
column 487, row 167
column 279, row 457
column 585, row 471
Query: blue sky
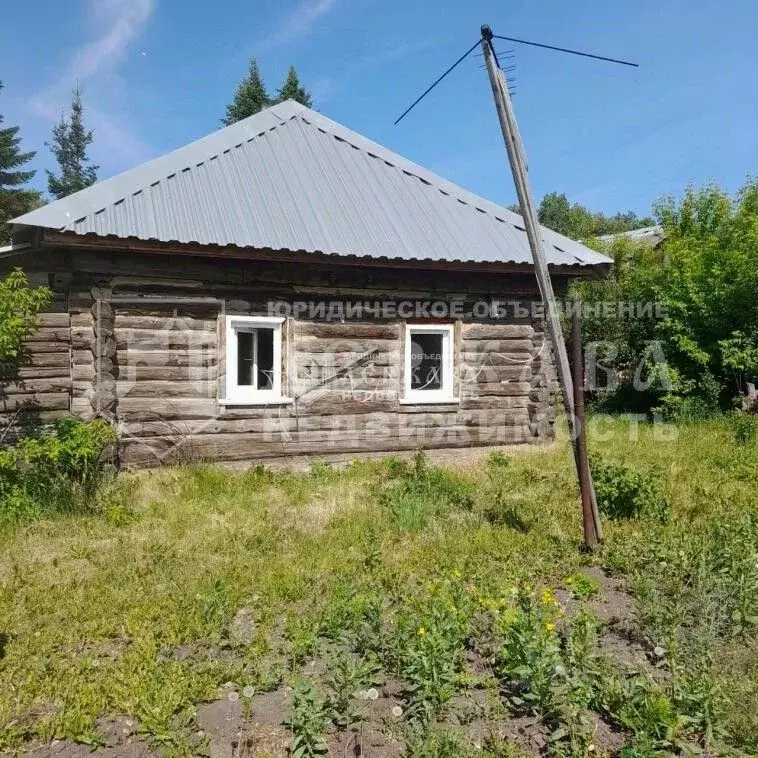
column 157, row 74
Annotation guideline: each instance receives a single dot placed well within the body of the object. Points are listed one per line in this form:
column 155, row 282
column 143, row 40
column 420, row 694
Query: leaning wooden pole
column 582, row 464
column 517, row 160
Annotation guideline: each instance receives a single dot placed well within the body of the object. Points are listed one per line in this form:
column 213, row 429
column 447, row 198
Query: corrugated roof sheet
column 652, row 234
column 288, row 178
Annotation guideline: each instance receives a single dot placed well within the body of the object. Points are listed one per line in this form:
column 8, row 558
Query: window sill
column 262, row 403
column 430, row 401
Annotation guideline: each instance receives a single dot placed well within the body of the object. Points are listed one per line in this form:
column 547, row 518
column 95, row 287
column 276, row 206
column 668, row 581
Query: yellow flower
column 549, row 626
column 421, row 631
column 546, row 596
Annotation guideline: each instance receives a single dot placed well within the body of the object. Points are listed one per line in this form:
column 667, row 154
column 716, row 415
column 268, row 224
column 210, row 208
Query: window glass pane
column 265, row 359
column 245, row 358
column 426, row 361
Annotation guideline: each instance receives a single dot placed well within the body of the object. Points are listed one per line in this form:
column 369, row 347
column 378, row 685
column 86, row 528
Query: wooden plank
column 496, row 331
column 347, row 331
column 156, row 451
column 36, row 372
column 36, row 386
column 45, row 401
column 506, row 389
column 135, row 372
column 81, row 320
column 166, row 358
column 343, row 358
column 343, row 345
column 59, row 360
column 485, row 358
column 54, row 320
column 145, row 339
column 167, row 389
column 45, row 334
column 33, row 416
column 497, row 346
column 147, row 408
column 497, row 401
column 168, row 321
column 46, row 347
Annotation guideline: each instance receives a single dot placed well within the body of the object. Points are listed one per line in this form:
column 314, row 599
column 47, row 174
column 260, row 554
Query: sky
column 157, row 74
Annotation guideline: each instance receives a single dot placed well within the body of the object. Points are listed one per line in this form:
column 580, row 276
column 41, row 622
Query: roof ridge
column 445, row 186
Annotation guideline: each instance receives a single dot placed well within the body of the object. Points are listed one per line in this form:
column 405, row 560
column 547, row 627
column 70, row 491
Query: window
column 253, row 360
column 429, row 363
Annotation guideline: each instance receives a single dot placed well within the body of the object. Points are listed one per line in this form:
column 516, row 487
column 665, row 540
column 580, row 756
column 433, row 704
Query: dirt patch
column 364, row 741
column 261, row 740
column 232, row 733
column 607, row 739
column 121, row 741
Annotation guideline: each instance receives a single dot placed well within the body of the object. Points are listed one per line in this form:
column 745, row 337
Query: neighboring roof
column 288, row 178
column 654, row 234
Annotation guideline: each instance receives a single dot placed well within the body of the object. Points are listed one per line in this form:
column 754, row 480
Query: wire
column 504, row 54
column 436, row 82
column 566, row 50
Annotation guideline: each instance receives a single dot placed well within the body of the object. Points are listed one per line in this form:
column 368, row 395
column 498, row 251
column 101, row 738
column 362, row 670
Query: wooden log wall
column 40, row 392
column 146, row 344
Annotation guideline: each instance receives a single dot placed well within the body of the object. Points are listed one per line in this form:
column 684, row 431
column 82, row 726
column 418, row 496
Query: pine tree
column 293, row 90
column 15, row 200
column 250, row 97
column 69, row 146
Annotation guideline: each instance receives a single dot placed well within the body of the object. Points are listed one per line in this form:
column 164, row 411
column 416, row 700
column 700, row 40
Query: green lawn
column 465, row 589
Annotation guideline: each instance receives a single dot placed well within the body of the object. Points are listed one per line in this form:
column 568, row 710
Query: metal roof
column 289, row 178
column 652, row 234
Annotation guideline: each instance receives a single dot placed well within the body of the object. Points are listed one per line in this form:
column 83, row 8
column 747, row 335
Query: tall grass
column 95, row 607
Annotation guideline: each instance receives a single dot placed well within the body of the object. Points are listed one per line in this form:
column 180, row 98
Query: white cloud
column 299, row 23
column 94, row 65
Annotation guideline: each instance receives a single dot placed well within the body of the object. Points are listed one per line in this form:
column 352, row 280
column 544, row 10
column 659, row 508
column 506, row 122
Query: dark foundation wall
column 145, row 349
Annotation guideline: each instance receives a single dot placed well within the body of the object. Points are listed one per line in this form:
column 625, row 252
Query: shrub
column 20, row 305
column 624, row 492
column 60, row 469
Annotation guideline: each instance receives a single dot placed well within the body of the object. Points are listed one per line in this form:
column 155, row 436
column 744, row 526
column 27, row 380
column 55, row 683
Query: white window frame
column 445, row 393
column 236, row 394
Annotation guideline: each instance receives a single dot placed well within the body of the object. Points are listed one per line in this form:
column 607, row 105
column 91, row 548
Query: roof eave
column 112, row 243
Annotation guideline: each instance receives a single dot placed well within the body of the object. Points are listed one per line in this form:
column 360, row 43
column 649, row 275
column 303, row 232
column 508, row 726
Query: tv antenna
column 517, row 159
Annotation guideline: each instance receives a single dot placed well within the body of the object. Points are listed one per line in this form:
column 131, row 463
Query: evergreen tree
column 250, row 97
column 15, row 200
column 69, row 146
column 293, row 90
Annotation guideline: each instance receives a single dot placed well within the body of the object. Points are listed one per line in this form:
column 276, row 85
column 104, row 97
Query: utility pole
column 517, row 159
column 580, row 450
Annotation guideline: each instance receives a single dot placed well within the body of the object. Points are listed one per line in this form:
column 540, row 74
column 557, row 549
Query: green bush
column 20, row 305
column 59, row 469
column 704, row 277
column 624, row 492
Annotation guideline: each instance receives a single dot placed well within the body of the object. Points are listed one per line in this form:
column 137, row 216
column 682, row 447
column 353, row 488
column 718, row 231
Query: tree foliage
column 69, row 146
column 20, row 305
column 705, row 278
column 576, row 221
column 251, row 95
column 293, row 90
column 15, row 199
